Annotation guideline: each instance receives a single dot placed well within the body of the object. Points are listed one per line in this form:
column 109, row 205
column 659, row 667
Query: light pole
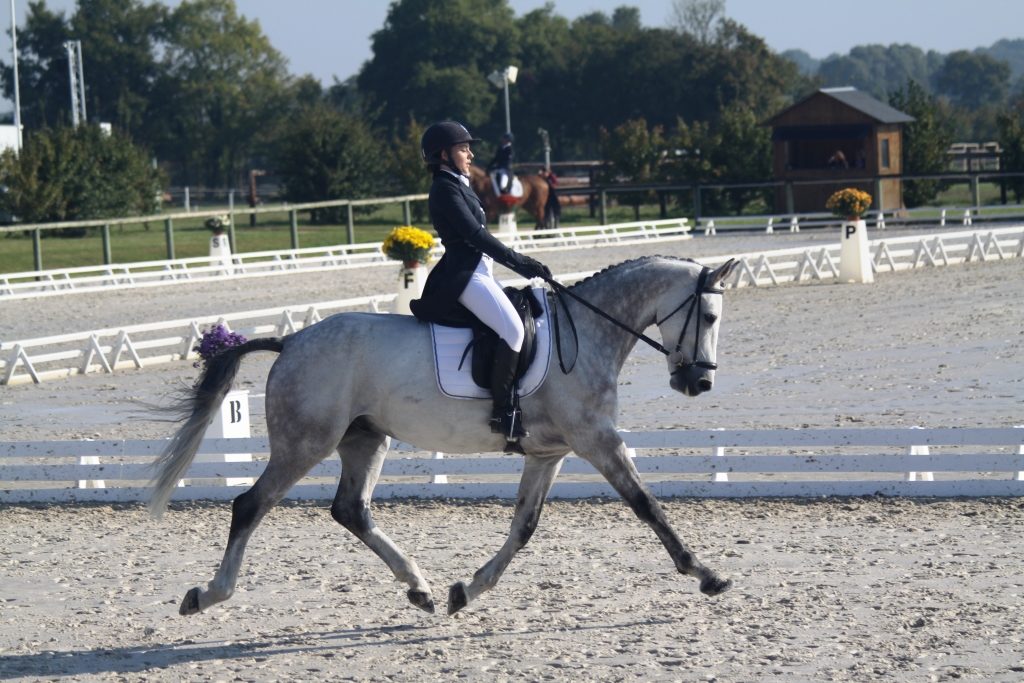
column 17, row 94
column 501, row 79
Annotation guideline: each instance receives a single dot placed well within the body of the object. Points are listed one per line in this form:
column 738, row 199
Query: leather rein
column 694, row 302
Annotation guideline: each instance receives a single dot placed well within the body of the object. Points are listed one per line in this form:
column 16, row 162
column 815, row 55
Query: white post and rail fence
column 137, row 346
column 699, row 463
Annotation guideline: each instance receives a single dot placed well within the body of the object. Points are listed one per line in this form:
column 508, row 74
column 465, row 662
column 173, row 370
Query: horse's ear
column 719, row 274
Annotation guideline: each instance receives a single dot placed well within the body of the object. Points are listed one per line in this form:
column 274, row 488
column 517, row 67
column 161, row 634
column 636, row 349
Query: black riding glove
column 530, row 267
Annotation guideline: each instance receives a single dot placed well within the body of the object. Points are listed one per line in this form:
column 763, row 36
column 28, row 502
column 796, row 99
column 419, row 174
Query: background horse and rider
column 534, row 199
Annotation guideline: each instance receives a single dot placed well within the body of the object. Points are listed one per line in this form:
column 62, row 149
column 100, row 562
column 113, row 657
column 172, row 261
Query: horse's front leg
column 362, row 456
column 606, row 452
column 538, row 475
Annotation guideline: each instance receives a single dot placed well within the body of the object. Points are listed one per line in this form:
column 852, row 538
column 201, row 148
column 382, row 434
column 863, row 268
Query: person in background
column 463, row 279
column 552, row 208
column 838, row 160
column 502, row 163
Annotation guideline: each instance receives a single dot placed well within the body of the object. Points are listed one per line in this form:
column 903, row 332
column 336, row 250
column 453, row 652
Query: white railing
column 700, row 463
column 879, row 220
column 136, row 346
column 887, row 255
column 85, row 279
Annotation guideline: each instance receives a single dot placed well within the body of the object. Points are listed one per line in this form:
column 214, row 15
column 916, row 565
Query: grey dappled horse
column 353, row 381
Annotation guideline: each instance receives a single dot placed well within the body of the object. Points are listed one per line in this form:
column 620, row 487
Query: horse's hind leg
column 538, row 475
column 362, row 453
column 608, row 454
column 283, row 470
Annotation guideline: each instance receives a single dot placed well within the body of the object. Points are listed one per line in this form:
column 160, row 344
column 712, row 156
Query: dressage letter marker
column 231, row 422
column 854, row 255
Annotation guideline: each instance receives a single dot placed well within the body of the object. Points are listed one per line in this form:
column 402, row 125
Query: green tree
column 431, row 60
column 1011, row 139
column 329, row 154
column 925, row 141
column 973, row 79
column 408, row 172
column 120, row 39
column 735, row 149
column 632, row 153
column 221, row 89
column 880, row 69
column 65, row 174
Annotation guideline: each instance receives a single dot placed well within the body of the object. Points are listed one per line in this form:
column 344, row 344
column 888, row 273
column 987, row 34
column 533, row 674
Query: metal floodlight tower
column 77, row 80
column 501, row 79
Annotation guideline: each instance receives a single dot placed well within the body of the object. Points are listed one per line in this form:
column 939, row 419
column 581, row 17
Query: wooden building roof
column 858, row 105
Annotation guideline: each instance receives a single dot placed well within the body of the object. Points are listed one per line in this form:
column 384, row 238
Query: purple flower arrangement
column 214, row 340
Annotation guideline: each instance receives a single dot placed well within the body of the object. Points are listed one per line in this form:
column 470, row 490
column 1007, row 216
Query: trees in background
column 328, row 154
column 202, row 89
column 66, row 174
column 925, row 141
column 220, row 90
column 1011, row 139
column 431, row 60
column 880, row 69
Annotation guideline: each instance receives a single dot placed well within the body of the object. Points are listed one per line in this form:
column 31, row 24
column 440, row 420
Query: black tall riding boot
column 506, row 417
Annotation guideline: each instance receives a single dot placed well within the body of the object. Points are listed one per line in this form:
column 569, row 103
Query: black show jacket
column 458, row 217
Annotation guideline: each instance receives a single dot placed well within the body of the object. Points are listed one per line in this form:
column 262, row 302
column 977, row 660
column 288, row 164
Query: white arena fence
column 701, row 463
column 31, row 284
column 137, row 346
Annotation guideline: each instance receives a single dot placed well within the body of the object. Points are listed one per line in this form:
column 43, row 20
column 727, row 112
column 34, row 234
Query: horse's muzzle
column 692, row 380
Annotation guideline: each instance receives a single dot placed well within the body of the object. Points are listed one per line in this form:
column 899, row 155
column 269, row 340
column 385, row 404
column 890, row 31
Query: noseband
column 695, row 304
column 694, row 301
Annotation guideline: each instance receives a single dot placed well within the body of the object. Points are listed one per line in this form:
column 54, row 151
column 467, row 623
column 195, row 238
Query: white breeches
column 484, row 298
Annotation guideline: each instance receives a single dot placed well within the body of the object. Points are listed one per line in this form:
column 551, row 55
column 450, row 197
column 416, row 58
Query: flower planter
column 411, row 278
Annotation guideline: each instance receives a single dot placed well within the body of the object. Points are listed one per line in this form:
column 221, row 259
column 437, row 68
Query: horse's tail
column 198, row 407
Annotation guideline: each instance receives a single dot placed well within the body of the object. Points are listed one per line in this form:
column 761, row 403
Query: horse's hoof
column 457, row 598
column 190, row 605
column 422, row 600
column 713, row 585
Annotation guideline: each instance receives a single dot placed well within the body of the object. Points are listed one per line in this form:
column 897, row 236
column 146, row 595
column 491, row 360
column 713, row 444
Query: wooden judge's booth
column 841, row 135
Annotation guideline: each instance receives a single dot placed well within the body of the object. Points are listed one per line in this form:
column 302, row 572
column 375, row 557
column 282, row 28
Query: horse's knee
column 353, row 516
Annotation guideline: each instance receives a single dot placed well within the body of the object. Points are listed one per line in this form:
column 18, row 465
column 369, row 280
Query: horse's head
column 689, row 327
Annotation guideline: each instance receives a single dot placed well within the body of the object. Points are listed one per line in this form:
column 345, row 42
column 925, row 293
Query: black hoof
column 190, row 605
column 422, row 600
column 457, row 598
column 713, row 585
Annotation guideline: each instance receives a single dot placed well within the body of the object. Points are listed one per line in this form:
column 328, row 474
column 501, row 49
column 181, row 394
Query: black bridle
column 694, row 302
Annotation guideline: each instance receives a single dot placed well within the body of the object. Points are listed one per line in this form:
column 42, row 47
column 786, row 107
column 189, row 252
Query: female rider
column 463, row 280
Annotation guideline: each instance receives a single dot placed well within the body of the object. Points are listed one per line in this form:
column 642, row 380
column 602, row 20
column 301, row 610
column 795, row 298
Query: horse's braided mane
column 630, row 262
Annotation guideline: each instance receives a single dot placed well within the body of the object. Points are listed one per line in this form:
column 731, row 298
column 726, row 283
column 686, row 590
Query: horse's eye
column 710, row 318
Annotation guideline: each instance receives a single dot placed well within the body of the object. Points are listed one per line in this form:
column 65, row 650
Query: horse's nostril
column 704, row 384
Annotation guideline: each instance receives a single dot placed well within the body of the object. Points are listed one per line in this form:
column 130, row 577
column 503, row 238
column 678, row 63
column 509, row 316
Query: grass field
column 140, row 242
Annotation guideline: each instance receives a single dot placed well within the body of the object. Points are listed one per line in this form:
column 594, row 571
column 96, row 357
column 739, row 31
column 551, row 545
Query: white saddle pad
column 517, row 187
column 450, row 343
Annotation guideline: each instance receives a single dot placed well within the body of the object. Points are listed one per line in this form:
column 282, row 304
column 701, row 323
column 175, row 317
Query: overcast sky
column 331, row 38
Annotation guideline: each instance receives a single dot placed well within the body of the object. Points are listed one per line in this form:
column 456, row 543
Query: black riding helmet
column 442, row 136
